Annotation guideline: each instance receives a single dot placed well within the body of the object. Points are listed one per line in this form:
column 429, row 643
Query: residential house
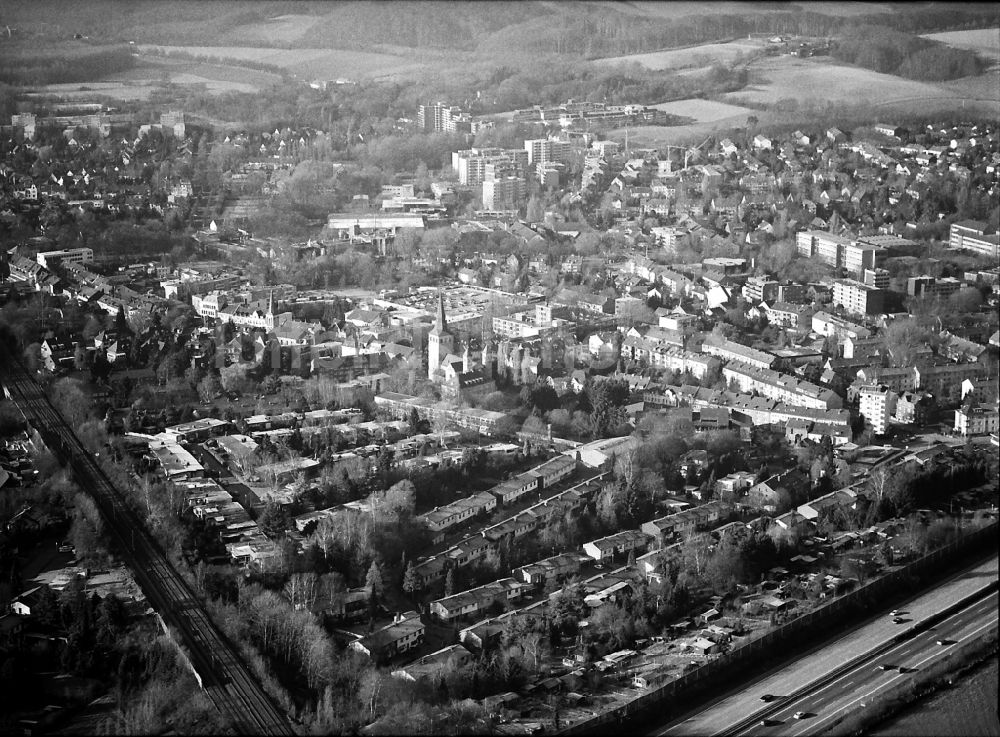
column 620, row 543
column 404, row 633
column 476, row 601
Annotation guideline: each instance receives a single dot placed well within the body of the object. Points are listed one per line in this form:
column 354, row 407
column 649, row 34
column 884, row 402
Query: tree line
column 889, row 51
column 79, row 65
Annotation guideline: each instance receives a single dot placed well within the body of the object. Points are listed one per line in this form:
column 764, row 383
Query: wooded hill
column 574, row 28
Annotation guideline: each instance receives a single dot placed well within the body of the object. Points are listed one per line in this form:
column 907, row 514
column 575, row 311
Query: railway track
column 225, row 677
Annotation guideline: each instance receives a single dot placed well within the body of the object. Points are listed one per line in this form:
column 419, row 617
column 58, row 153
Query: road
column 847, row 692
column 226, row 679
column 733, row 709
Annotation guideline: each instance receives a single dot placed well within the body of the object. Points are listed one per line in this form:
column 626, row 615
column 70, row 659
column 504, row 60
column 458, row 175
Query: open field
column 703, row 111
column 787, row 78
column 699, row 56
column 659, row 9
column 309, row 63
column 176, row 70
column 845, row 10
column 985, row 41
column 680, row 9
column 151, row 73
column 94, row 90
column 985, row 86
column 654, row 136
column 280, row 29
column 967, row 709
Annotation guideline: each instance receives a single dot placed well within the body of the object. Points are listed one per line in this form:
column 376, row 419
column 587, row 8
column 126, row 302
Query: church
column 459, row 378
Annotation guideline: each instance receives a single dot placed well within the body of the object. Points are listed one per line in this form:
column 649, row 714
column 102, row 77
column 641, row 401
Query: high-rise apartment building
column 174, row 122
column 472, row 165
column 543, row 150
column 876, row 405
column 858, row 298
column 503, row 194
column 432, row 118
column 25, row 121
column 878, row 278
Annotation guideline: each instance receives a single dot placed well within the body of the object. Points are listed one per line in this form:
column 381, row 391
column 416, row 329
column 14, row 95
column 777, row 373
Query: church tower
column 269, row 317
column 439, row 341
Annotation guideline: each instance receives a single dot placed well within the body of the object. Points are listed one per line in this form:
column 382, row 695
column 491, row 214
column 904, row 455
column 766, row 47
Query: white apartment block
column 826, row 324
column 729, row 350
column 781, row 387
column 208, row 305
column 876, row 404
column 971, row 419
column 174, row 122
column 66, row 256
column 544, row 150
column 858, row 298
column 669, row 358
column 503, row 194
column 470, row 165
column 971, row 235
column 838, row 251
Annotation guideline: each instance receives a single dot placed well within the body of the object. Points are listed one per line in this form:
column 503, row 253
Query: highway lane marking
column 775, row 682
column 812, row 724
column 934, row 653
column 973, row 611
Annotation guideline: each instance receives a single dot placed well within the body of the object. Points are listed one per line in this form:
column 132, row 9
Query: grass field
column 703, row 111
column 786, row 78
column 984, row 87
column 696, row 56
column 280, row 29
column 682, row 8
column 985, row 41
column 151, row 73
column 308, row 63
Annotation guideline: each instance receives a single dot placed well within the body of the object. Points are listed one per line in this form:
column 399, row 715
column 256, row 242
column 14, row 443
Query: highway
column 741, row 708
column 225, row 677
column 846, row 693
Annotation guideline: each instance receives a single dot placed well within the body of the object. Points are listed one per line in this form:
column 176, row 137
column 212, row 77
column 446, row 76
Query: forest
column 888, row 51
column 493, row 29
column 62, row 64
column 577, row 28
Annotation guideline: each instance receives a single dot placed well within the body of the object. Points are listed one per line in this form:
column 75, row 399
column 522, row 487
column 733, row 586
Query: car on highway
column 885, row 666
column 800, row 715
column 894, row 613
column 943, row 643
column 898, row 620
column 768, row 698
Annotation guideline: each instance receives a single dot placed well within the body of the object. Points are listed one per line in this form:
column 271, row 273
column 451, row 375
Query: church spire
column 269, row 320
column 441, row 322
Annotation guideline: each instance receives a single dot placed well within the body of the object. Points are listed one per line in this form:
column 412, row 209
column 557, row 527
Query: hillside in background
column 220, row 59
column 590, row 29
